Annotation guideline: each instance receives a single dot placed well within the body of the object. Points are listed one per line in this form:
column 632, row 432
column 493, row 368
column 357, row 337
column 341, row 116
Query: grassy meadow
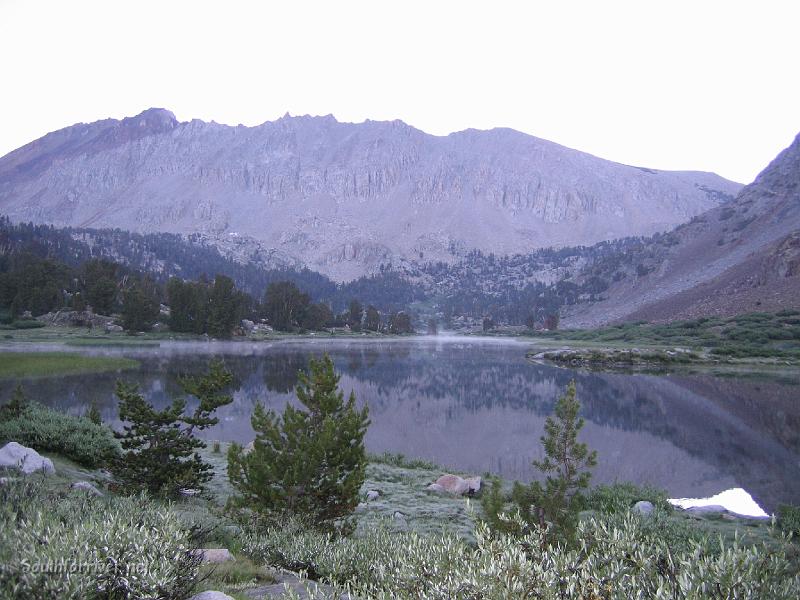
column 48, row 364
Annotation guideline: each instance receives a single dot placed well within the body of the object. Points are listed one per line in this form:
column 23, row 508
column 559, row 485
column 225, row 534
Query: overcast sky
column 700, row 85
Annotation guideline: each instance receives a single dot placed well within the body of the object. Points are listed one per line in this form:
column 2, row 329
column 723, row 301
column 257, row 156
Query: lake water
column 479, row 405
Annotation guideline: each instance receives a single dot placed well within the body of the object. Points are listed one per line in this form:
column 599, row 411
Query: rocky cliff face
column 342, row 198
column 740, row 257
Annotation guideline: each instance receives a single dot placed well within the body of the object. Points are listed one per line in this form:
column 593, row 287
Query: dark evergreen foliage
column 400, row 323
column 317, row 317
column 140, row 306
column 160, row 446
column 372, row 319
column 285, row 305
column 94, row 415
column 309, row 462
column 224, row 308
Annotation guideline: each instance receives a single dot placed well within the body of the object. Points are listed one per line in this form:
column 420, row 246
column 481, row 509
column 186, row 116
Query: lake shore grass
column 81, row 336
column 749, row 335
column 50, row 364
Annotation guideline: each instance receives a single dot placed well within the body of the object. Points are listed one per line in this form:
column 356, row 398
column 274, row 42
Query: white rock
column 27, row 460
column 211, row 595
column 455, row 485
column 436, row 489
column 110, row 327
column 86, row 487
column 372, row 495
column 400, row 520
column 643, row 507
column 215, row 555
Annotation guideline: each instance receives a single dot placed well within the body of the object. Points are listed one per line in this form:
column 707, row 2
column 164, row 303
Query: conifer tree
column 16, row 406
column 567, row 464
column 555, row 505
column 372, row 320
column 160, row 447
column 94, row 415
column 223, row 308
column 140, row 306
column 310, row 462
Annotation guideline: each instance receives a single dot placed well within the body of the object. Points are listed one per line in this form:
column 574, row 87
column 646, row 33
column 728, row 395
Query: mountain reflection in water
column 480, row 406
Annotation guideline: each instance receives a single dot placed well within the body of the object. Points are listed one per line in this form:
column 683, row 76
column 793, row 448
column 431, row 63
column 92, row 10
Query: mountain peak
column 156, row 119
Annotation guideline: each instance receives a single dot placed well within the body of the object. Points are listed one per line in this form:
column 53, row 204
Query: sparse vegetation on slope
column 751, row 335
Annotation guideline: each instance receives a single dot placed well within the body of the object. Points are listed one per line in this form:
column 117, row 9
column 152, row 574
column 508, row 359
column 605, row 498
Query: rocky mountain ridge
column 341, row 198
column 740, row 257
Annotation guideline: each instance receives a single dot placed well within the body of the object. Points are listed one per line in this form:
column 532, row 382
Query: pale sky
column 702, row 85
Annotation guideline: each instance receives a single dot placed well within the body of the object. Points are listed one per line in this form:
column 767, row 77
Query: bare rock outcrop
column 26, row 460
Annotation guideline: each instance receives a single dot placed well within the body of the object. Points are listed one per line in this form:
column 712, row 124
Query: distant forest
column 518, row 289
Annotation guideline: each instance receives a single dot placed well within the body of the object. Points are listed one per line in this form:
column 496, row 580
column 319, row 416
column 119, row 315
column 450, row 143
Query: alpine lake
column 478, row 405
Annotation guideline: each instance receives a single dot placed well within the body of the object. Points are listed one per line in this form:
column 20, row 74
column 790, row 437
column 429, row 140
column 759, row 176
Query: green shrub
column 76, row 546
column 47, row 430
column 614, row 558
column 620, row 498
column 789, row 519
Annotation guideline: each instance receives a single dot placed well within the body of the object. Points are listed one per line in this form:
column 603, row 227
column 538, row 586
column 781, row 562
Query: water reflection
column 481, row 407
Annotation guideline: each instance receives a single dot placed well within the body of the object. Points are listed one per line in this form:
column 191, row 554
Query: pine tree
column 355, row 314
column 94, row 415
column 310, row 462
column 566, row 463
column 140, row 306
column 372, row 321
column 160, row 447
column 223, row 308
column 284, row 305
column 16, row 406
column 555, row 505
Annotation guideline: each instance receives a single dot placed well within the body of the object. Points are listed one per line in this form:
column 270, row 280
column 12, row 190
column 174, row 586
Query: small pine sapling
column 554, row 507
column 16, row 406
column 93, row 414
column 567, row 465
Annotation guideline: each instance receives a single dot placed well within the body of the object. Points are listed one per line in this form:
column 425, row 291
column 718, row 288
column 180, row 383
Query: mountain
column 740, row 257
column 342, row 199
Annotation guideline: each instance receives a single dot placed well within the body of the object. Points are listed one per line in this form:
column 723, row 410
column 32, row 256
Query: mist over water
column 478, row 405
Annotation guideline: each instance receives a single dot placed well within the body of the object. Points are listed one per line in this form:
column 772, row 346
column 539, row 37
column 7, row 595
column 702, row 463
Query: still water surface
column 479, row 405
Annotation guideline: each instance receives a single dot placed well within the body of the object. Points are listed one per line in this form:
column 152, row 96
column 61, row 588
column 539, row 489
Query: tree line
column 36, row 285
